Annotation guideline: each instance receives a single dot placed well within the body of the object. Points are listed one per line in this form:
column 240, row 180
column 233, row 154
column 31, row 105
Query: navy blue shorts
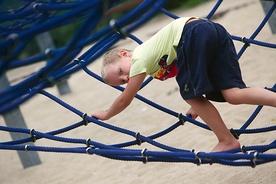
column 207, row 61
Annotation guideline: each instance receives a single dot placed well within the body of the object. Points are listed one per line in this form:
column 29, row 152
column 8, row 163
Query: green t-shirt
column 161, row 48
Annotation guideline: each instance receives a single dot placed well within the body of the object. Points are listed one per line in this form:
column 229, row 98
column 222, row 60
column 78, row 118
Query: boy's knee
column 232, row 96
column 232, row 100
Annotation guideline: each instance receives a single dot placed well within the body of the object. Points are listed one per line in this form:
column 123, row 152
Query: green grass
column 192, row 3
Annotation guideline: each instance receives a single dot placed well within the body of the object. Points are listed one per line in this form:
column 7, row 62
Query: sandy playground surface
column 258, row 67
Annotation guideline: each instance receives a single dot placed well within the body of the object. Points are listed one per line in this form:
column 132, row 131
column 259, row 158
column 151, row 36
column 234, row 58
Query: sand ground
column 258, row 68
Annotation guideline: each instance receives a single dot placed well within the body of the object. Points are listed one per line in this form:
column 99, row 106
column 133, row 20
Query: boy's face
column 118, row 72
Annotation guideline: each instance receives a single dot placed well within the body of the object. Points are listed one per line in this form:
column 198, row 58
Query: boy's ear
column 123, row 53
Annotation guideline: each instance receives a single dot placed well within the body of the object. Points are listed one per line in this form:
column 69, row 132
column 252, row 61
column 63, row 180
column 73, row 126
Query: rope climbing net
column 18, row 28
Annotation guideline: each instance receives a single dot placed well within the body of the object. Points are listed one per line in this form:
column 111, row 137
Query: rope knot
column 181, row 119
column 33, row 136
column 85, row 121
column 120, row 31
column 246, row 41
column 139, row 142
column 143, row 155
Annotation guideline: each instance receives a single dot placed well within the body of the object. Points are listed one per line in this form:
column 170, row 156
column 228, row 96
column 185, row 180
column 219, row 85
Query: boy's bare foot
column 224, row 146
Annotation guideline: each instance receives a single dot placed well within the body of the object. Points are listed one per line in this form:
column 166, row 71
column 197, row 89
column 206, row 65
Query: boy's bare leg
column 253, row 96
column 209, row 114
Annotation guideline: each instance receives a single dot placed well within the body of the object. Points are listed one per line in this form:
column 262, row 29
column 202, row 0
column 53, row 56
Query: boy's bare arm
column 123, row 100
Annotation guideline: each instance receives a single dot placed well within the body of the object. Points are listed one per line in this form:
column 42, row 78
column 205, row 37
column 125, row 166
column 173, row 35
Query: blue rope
column 269, row 13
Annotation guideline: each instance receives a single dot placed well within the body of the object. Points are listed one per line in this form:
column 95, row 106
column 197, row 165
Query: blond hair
column 109, row 58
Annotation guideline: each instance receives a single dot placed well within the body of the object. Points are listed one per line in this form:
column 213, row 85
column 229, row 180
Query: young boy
column 201, row 55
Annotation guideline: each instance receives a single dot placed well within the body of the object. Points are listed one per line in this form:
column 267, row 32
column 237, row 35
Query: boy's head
column 116, row 66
